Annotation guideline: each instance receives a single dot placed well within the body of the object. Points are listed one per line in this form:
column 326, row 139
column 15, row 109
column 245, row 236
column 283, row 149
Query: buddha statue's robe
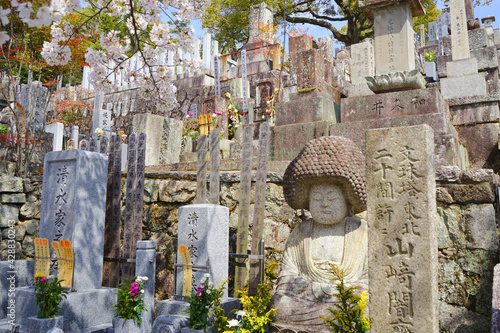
column 304, row 289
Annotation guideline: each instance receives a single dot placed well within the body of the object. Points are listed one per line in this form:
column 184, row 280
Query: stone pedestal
column 80, row 310
column 423, row 106
column 362, row 65
column 45, row 325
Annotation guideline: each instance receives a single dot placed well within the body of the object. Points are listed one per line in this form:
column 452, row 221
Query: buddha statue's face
column 327, row 203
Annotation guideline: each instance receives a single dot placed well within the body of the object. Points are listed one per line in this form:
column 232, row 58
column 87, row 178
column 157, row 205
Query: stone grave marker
column 194, row 111
column 244, row 79
column 98, row 100
column 73, row 208
column 459, row 33
column 432, row 30
column 204, row 229
column 103, row 145
column 394, row 49
column 422, row 35
column 83, row 145
column 244, row 203
column 93, row 145
column 33, row 100
column 362, row 64
column 260, row 16
column 74, row 135
column 57, row 129
column 70, row 144
column 402, row 236
column 214, row 146
column 446, row 20
column 201, row 175
column 259, row 206
column 217, row 75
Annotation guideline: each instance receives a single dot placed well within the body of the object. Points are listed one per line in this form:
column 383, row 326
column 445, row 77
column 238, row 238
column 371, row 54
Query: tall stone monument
column 394, row 44
column 362, row 65
column 402, row 235
column 463, row 78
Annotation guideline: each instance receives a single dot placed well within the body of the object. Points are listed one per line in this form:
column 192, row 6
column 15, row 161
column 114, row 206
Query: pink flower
column 190, row 113
column 218, row 112
column 44, row 279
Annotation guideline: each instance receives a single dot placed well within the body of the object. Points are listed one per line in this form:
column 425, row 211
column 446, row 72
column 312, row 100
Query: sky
column 317, row 32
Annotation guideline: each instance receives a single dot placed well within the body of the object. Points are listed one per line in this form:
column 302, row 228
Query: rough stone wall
column 20, row 201
column 468, row 248
column 166, row 192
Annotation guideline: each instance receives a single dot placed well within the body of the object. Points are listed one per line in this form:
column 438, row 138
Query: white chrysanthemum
column 233, row 323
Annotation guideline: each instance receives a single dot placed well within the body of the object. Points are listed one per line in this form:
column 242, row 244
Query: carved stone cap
column 369, row 6
column 332, row 159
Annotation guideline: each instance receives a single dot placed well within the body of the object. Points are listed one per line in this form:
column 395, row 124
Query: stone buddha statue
column 328, row 179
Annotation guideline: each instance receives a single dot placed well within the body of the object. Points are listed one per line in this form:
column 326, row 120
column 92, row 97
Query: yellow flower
column 122, row 132
column 39, row 275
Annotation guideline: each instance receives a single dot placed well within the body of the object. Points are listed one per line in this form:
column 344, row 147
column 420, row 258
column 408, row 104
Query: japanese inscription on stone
column 459, row 34
column 402, row 230
column 244, row 83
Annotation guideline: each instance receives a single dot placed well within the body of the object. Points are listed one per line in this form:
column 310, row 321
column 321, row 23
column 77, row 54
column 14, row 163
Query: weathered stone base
column 171, row 318
column 287, row 141
column 80, row 310
column 445, row 138
column 464, row 86
column 306, row 107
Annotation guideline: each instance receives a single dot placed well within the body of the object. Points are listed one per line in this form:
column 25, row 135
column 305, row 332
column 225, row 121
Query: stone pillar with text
column 394, row 44
column 402, row 230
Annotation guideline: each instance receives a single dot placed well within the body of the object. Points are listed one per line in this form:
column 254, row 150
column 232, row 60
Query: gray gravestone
column 93, row 145
column 146, row 266
column 432, row 30
column 402, row 232
column 204, row 229
column 201, row 175
column 83, row 145
column 459, row 33
column 214, row 166
column 244, row 79
column 33, row 100
column 260, row 205
column 244, row 203
column 73, row 208
column 98, row 100
column 217, row 75
column 194, row 111
column 103, row 145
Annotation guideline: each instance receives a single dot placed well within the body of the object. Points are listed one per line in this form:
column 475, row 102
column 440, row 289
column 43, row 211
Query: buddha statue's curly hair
column 328, row 159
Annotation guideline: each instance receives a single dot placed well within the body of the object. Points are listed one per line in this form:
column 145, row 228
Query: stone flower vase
column 127, row 326
column 431, row 71
column 43, row 325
